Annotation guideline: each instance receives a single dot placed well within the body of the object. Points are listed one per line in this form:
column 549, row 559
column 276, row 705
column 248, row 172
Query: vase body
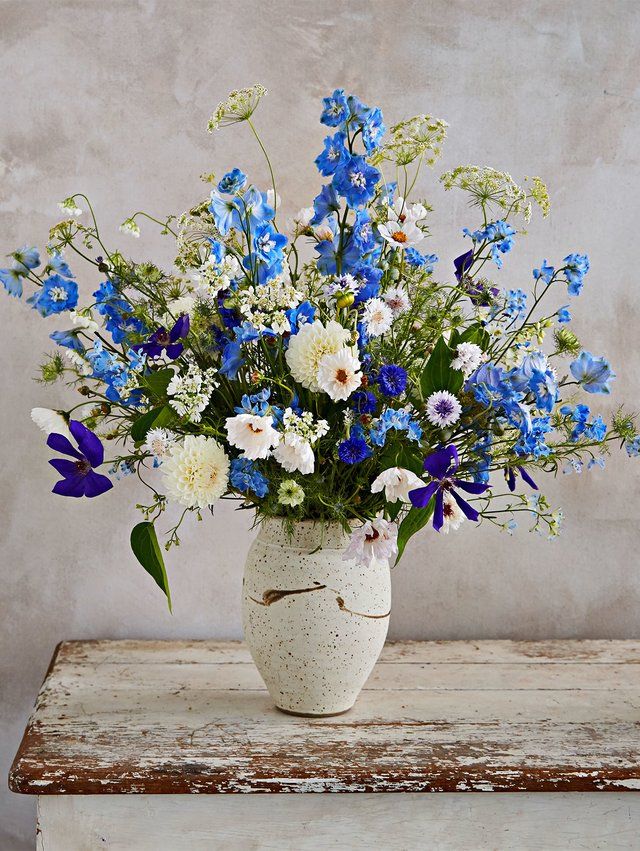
column 315, row 624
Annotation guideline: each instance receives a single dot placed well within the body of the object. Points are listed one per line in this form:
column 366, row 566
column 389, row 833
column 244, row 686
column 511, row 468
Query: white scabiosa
column 159, row 442
column 254, row 435
column 377, row 317
column 196, row 473
column 339, row 374
column 307, row 348
column 452, row 514
column 396, row 482
column 50, row 421
column 375, row 539
column 443, row 409
column 468, row 358
column 294, row 453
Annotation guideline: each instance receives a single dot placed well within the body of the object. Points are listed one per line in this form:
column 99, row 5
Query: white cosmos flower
column 443, row 409
column 452, row 513
column 468, row 358
column 339, row 374
column 397, row 482
column 377, row 317
column 397, row 299
column 50, row 421
column 197, row 471
column 253, row 434
column 159, row 442
column 401, row 234
column 307, row 348
column 294, row 453
column 375, row 539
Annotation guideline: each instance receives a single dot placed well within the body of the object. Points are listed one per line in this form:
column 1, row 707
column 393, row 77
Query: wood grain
column 193, row 717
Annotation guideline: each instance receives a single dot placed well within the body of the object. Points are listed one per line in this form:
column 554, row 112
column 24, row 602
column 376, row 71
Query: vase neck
column 303, row 534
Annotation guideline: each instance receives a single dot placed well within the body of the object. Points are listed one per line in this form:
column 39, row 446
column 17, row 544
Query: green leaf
column 146, row 549
column 475, row 334
column 412, row 523
column 156, row 418
column 156, row 383
column 437, row 374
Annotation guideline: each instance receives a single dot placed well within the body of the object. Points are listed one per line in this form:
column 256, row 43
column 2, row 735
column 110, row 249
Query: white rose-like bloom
column 339, row 374
column 307, row 348
column 377, row 317
column 253, row 434
column 375, row 539
column 295, row 453
column 50, row 421
column 197, row 472
column 452, row 513
column 468, row 358
column 397, row 482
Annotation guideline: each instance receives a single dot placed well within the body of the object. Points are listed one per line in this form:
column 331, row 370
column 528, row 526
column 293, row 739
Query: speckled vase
column 314, row 623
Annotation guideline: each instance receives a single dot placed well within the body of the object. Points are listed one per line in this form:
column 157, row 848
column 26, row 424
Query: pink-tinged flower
column 79, row 478
column 374, row 540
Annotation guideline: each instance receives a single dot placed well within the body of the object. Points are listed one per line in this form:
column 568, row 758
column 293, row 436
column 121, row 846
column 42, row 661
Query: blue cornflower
column 333, row 154
column 69, row 339
column 593, row 373
column 373, row 129
column 325, row 203
column 563, row 314
column 544, row 273
column 335, row 109
column 356, row 181
column 363, row 402
column 232, row 181
column 516, row 304
column 577, row 266
column 244, row 477
column 423, row 261
column 354, row 450
column 56, row 295
column 392, row 379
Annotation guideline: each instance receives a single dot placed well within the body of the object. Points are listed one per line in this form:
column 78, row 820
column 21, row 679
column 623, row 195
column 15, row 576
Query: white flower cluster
column 191, row 392
column 213, row 277
column 239, row 106
column 294, row 452
column 265, row 306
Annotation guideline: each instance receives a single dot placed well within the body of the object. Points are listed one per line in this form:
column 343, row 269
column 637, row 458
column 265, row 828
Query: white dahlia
column 339, row 374
column 396, row 482
column 307, row 348
column 50, row 421
column 253, row 434
column 197, row 472
column 295, row 453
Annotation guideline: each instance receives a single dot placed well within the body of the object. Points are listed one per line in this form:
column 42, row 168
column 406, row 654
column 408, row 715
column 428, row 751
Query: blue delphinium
column 232, row 360
column 363, row 235
column 255, row 403
column 633, row 446
column 592, row 373
column 369, row 279
column 232, row 182
column 373, row 129
column 325, row 203
column 516, row 303
column 117, row 310
column 56, row 295
column 26, row 258
column 392, row 379
column 244, row 477
column 544, row 273
column 499, row 234
column 12, row 281
column 298, row 316
column 399, row 420
column 333, row 154
column 532, row 441
column 108, row 368
column 563, row 314
column 68, row 339
column 225, row 212
column 354, row 450
column 355, row 180
column 56, row 263
column 423, row 261
column 577, row 266
column 335, row 109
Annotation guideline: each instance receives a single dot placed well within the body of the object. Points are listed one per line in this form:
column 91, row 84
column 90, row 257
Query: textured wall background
column 112, row 99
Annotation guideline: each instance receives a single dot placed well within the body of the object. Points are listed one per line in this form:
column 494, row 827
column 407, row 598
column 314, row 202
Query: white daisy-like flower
column 396, row 482
column 255, row 436
column 468, row 358
column 82, row 365
column 159, row 442
column 294, row 453
column 408, row 212
column 443, row 409
column 377, row 317
column 401, row 234
column 452, row 514
column 84, row 320
column 130, row 227
column 50, row 421
column 290, row 493
column 374, row 540
column 307, row 348
column 197, row 472
column 339, row 374
column 397, row 299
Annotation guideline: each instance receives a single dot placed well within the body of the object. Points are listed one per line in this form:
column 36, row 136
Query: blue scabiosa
column 356, row 181
column 593, row 373
column 392, row 379
column 354, row 450
column 233, row 181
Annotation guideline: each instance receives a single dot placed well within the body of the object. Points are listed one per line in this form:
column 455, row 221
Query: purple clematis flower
column 462, row 264
column 441, row 466
column 79, row 476
column 166, row 341
column 510, row 476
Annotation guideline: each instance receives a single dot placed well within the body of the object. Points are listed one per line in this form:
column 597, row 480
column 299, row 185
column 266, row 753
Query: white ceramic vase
column 314, row 623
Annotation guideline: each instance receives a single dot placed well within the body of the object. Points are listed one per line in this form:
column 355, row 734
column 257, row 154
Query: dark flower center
column 162, row 337
column 83, row 467
column 373, row 536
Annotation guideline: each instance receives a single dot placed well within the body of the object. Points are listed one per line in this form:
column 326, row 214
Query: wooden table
column 164, row 745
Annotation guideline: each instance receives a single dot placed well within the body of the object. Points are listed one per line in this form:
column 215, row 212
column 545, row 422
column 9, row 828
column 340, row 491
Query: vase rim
column 305, row 534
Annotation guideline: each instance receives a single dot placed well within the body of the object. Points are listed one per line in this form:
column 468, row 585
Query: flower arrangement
column 322, row 370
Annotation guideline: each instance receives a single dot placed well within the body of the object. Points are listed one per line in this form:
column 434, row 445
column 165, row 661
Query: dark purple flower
column 441, row 466
column 463, row 263
column 510, row 476
column 79, row 476
column 166, row 341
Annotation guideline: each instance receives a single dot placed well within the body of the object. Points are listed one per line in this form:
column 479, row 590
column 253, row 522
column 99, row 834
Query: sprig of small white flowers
column 191, row 392
column 265, row 306
column 213, row 277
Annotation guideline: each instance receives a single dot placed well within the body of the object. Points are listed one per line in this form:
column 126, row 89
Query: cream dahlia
column 197, row 472
column 307, row 348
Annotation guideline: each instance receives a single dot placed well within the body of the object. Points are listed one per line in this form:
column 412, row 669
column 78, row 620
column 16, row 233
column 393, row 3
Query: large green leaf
column 156, row 383
column 437, row 374
column 415, row 520
column 474, row 334
column 156, row 418
column 146, row 549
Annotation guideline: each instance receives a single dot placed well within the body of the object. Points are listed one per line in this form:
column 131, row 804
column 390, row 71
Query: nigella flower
column 354, row 450
column 510, row 476
column 593, row 373
column 79, row 476
column 166, row 342
column 392, row 379
column 233, row 181
column 441, row 466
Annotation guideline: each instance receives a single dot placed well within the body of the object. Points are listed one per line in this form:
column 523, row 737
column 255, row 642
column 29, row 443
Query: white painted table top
column 175, row 717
